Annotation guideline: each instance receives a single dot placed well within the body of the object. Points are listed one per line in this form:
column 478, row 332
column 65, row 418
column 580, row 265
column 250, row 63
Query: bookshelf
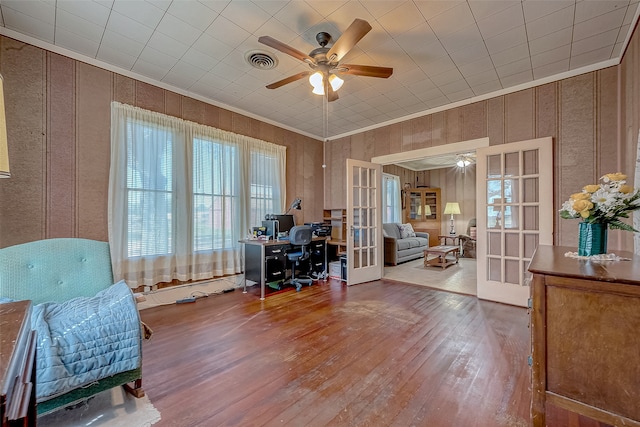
column 424, row 212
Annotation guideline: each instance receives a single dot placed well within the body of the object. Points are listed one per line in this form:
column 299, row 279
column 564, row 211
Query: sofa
column 402, row 244
column 89, row 334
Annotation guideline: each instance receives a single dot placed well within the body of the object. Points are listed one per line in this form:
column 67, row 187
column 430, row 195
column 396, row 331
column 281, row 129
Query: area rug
column 112, row 408
column 458, row 278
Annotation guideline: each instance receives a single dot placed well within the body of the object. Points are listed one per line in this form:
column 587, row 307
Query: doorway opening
column 438, row 168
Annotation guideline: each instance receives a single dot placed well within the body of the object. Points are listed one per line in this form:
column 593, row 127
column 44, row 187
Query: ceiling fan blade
column 364, row 70
column 284, row 48
column 288, row 80
column 357, row 30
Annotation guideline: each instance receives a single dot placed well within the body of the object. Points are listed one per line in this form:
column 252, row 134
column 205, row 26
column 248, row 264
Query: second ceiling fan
column 325, row 62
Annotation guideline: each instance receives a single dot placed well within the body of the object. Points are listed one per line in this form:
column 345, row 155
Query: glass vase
column 592, row 239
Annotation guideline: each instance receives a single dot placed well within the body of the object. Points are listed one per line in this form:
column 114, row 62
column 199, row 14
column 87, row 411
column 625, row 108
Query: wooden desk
column 17, row 365
column 265, row 261
column 585, row 320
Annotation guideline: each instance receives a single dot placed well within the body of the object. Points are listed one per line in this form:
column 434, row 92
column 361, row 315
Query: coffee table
column 440, row 259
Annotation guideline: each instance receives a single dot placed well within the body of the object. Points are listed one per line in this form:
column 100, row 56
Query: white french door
column 514, row 184
column 364, row 222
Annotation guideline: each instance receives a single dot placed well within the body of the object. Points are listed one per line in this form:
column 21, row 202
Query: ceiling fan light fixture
column 317, row 81
column 464, row 160
column 335, row 82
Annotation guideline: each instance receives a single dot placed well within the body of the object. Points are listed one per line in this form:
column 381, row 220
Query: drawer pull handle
column 276, row 251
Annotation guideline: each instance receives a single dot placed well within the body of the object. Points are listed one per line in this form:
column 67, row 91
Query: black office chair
column 299, row 235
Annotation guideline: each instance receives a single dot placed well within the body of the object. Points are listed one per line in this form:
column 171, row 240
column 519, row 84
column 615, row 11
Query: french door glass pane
column 511, row 220
column 511, row 164
column 512, row 191
column 495, row 269
column 494, row 215
column 494, row 191
column 493, row 244
column 530, row 162
column 512, row 271
column 530, row 244
column 527, row 276
column 494, row 166
column 530, row 190
column 531, row 218
column 512, row 244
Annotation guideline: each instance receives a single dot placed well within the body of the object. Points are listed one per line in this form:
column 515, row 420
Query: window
column 264, row 189
column 215, row 189
column 181, row 196
column 390, row 198
column 149, row 189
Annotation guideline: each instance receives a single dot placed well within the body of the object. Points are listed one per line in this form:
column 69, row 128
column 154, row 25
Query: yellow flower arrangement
column 604, row 203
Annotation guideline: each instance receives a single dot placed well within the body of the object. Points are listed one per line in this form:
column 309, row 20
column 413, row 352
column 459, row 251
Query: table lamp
column 4, row 150
column 452, row 208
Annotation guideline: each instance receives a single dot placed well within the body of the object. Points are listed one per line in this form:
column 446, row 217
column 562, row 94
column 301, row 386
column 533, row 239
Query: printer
column 320, row 229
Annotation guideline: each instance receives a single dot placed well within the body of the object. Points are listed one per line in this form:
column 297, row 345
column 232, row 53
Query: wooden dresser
column 585, row 333
column 17, row 365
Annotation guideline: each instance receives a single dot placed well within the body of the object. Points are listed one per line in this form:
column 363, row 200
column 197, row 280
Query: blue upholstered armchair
column 89, row 330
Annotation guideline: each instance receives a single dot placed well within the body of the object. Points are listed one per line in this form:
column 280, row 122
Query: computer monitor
column 285, row 223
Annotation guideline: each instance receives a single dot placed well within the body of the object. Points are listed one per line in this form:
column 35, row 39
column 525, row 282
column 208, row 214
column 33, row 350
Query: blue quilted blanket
column 85, row 339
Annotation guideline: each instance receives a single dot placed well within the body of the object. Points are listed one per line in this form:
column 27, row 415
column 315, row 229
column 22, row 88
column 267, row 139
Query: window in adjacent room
column 390, row 198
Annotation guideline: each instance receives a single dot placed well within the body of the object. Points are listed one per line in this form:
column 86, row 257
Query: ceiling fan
column 325, row 62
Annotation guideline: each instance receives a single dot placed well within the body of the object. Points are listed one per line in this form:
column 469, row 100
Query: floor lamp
column 452, row 208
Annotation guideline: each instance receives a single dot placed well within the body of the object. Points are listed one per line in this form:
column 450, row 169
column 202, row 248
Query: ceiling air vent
column 261, row 60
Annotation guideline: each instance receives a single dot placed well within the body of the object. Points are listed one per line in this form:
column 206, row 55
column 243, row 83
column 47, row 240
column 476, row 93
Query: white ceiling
column 443, row 52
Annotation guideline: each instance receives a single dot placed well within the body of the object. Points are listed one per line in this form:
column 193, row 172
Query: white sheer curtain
column 391, row 198
column 181, row 195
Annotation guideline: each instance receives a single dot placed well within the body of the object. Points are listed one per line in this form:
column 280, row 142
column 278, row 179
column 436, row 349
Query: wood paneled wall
column 58, row 119
column 594, row 119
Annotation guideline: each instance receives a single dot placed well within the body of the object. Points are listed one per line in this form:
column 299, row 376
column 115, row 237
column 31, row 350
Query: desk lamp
column 295, row 205
column 452, row 208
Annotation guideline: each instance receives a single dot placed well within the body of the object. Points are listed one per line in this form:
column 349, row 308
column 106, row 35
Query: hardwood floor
column 377, row 354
